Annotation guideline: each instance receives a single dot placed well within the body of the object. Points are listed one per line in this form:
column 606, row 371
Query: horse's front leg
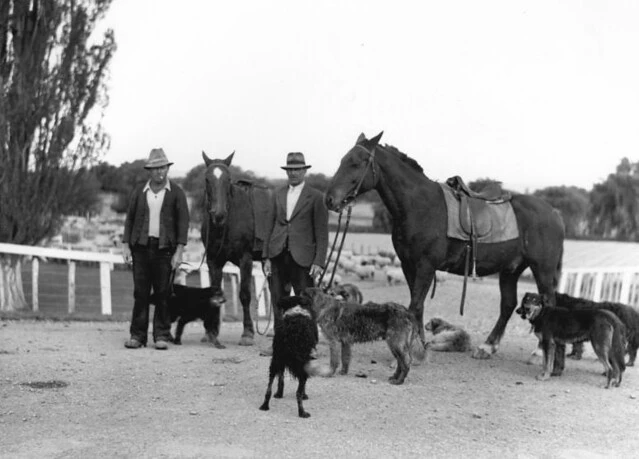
column 246, row 282
column 508, row 290
column 419, row 279
column 213, row 319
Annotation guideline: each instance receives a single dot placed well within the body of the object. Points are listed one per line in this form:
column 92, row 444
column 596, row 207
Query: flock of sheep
column 365, row 267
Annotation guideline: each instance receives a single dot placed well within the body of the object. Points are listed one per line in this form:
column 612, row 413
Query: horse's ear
column 228, row 160
column 360, row 139
column 207, row 160
column 375, row 140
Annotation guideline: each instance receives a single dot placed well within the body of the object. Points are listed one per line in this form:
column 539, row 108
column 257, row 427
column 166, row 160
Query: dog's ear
column 287, row 302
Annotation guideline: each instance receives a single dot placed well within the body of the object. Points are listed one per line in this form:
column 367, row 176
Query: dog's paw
column 542, row 377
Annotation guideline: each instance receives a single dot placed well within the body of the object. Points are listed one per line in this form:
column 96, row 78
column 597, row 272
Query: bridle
column 226, row 170
column 350, row 196
column 370, row 163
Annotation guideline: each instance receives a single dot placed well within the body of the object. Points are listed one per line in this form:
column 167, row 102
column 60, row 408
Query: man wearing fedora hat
column 297, row 237
column 155, row 233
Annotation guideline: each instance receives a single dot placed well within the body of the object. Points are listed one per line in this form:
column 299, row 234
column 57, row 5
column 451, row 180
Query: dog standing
column 627, row 314
column 187, row 304
column 347, row 323
column 558, row 326
column 447, row 337
column 295, row 339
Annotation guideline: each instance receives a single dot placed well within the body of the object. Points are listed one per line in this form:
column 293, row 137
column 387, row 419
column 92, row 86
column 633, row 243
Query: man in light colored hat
column 297, row 238
column 155, row 233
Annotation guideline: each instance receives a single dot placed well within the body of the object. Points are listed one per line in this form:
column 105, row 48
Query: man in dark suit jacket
column 297, row 238
column 155, row 233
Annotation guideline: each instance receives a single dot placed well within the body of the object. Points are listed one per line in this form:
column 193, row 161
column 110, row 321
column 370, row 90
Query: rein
column 350, row 196
column 339, row 251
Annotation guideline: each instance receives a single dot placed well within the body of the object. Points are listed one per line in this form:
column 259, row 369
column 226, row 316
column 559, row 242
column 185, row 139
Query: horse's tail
column 557, row 276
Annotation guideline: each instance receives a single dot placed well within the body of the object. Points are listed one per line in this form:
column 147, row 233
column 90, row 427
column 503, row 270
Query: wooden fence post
column 35, row 273
column 105, row 288
column 71, row 287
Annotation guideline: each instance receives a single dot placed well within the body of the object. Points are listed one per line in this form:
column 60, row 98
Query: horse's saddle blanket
column 473, row 217
column 261, row 204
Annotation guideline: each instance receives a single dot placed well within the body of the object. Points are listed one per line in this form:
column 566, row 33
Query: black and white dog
column 296, row 336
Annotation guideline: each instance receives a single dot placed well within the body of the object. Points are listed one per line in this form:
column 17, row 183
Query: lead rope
column 339, row 224
column 341, row 245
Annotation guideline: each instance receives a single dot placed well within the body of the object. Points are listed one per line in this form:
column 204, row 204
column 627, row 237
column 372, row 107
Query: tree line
column 610, row 210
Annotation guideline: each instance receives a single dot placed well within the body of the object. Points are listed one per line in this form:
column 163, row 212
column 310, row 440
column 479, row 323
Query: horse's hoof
column 246, row 341
column 542, row 377
column 395, row 381
column 482, row 353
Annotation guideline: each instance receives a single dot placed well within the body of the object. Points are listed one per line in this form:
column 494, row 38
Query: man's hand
column 177, row 257
column 316, row 271
column 126, row 253
column 266, row 267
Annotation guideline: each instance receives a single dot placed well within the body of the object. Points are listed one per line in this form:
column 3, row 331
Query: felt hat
column 295, row 160
column 157, row 158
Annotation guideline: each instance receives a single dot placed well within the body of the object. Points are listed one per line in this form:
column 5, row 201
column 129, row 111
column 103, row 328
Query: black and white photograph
column 294, row 228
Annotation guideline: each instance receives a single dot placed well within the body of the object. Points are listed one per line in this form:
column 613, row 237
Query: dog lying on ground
column 187, row 304
column 447, row 337
column 628, row 316
column 558, row 326
column 348, row 292
column 295, row 339
column 346, row 323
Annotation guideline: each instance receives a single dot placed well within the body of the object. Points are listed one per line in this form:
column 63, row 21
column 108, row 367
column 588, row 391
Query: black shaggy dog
column 296, row 336
column 187, row 304
column 628, row 316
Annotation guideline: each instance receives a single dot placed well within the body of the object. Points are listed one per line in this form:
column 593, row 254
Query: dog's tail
column 619, row 344
column 314, row 368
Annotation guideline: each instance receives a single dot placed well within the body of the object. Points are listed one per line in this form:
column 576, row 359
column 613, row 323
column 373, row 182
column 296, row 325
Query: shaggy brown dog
column 348, row 292
column 295, row 338
column 558, row 326
column 627, row 314
column 347, row 323
column 447, row 337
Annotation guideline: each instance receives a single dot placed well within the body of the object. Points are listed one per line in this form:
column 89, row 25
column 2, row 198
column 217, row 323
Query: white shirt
column 154, row 200
column 292, row 197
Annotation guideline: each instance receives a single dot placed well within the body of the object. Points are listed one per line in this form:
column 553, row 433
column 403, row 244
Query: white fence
column 620, row 285
column 106, row 262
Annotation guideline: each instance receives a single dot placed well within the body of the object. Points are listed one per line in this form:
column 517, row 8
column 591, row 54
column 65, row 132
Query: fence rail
column 107, row 261
column 616, row 284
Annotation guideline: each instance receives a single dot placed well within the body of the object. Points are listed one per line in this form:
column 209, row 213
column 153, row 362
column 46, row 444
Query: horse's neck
column 400, row 186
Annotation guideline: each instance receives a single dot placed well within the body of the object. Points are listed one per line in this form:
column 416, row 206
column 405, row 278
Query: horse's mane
column 403, row 157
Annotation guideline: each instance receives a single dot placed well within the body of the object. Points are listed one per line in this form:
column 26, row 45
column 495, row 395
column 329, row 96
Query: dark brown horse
column 419, row 235
column 230, row 232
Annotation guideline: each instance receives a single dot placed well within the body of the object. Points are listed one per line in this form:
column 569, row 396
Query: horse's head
column 356, row 174
column 218, row 187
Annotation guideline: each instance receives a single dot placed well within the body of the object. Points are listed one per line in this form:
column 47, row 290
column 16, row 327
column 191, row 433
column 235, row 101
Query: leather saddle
column 475, row 216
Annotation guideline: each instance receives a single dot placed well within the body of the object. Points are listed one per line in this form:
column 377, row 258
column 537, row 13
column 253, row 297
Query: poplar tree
column 52, row 94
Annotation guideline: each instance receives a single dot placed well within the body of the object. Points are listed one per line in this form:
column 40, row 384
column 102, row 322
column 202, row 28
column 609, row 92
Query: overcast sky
column 532, row 93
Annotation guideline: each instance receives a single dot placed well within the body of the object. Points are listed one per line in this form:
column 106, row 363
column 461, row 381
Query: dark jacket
column 174, row 218
column 306, row 233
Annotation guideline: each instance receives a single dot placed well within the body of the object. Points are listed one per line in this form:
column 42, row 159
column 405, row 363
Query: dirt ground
column 195, row 401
